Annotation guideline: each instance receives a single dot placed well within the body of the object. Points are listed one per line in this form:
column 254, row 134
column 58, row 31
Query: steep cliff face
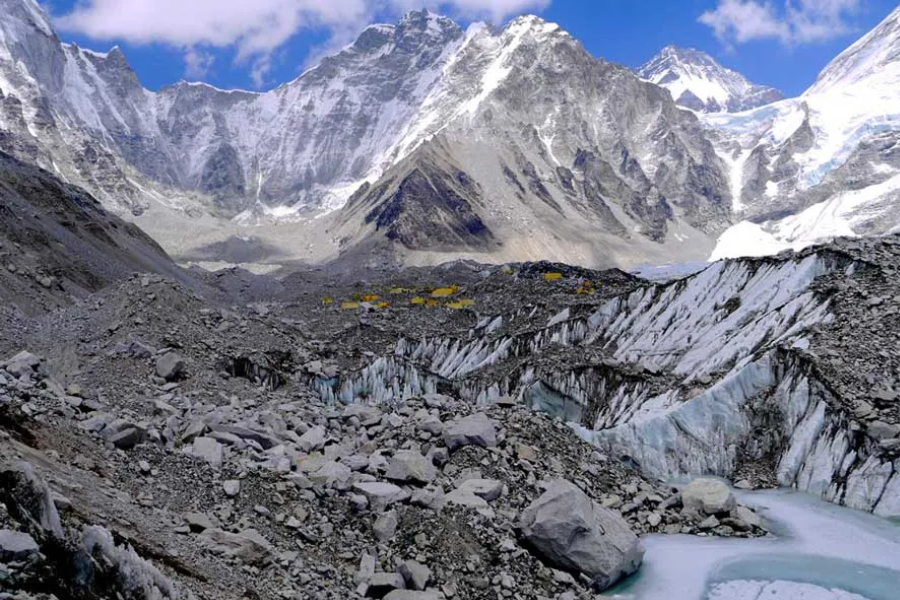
column 221, row 150
column 565, row 147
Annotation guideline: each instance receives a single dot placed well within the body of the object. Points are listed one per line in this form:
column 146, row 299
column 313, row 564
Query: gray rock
column 474, row 430
column 198, row 522
column 411, row 595
column 381, row 584
column 439, row 456
column 380, row 494
column 437, row 400
column 23, row 363
column 524, row 452
column 358, row 502
column 195, row 429
column 357, row 462
column 232, row 487
column 431, row 424
column 248, row 545
column 312, row 440
column 364, row 412
column 127, row 438
column 433, row 499
column 747, row 516
column 568, row 530
column 880, row 430
column 415, row 574
column 132, row 349
column 16, row 546
column 331, row 473
column 366, row 569
column 209, row 450
column 386, row 526
column 409, row 465
column 169, row 366
column 710, row 522
column 486, row 489
column 707, row 496
column 464, row 497
column 890, row 445
column 265, row 440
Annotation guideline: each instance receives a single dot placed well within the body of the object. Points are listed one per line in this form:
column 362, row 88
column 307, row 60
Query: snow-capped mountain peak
column 872, row 55
column 698, row 82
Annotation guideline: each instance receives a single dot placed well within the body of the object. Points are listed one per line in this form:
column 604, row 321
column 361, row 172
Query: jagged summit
column 698, row 82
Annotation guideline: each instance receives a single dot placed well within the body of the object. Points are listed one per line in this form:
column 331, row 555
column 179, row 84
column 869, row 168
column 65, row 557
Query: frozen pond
column 819, row 551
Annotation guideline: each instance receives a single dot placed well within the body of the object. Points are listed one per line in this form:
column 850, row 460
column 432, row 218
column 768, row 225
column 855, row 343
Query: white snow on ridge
column 836, row 217
column 863, row 59
column 693, row 77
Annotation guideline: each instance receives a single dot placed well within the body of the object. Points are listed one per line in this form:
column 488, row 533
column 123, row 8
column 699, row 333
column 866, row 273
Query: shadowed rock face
column 431, row 210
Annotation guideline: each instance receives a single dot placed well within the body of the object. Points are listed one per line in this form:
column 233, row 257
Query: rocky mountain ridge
column 423, row 142
column 626, row 180
column 824, row 164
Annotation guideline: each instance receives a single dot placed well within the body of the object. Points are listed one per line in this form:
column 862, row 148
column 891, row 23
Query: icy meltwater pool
column 818, row 551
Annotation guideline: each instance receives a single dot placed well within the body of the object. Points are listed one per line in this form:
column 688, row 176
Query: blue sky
column 262, row 43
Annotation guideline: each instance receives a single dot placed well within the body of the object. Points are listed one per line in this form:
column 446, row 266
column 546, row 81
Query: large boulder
column 170, row 366
column 409, row 465
column 474, row 430
column 249, row 545
column 708, row 496
column 16, row 545
column 23, row 363
column 574, row 534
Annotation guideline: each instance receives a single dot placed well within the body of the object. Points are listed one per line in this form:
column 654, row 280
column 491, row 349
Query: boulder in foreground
column 572, row 533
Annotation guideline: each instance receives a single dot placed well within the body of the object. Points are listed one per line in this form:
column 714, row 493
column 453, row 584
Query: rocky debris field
column 329, row 435
column 268, row 495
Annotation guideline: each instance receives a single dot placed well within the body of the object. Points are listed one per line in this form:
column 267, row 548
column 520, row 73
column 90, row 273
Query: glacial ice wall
column 696, row 375
column 771, row 407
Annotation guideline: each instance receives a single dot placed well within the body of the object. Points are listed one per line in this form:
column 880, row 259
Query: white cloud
column 817, row 20
column 789, row 21
column 197, row 63
column 256, row 28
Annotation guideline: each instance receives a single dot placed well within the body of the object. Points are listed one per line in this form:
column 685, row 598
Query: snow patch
column 837, row 217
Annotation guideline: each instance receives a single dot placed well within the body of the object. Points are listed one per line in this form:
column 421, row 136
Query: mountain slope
column 698, row 82
column 873, row 54
column 566, row 157
column 57, row 243
column 824, row 164
column 561, row 148
column 497, row 144
column 85, row 116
